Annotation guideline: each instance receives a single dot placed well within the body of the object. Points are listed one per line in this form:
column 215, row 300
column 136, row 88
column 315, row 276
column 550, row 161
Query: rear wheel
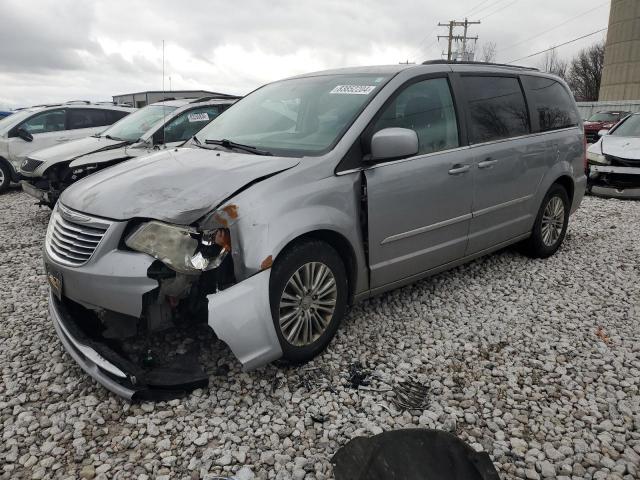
column 551, row 224
column 308, row 293
column 5, row 177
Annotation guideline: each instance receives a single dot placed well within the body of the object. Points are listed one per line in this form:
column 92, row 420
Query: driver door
column 47, row 128
column 419, row 208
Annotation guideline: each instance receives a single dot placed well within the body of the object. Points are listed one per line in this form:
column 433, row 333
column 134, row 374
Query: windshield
column 604, row 117
column 629, row 128
column 136, row 124
column 301, row 116
column 14, row 119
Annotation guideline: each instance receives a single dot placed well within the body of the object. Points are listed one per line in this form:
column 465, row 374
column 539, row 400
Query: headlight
column 598, row 158
column 182, row 249
column 171, row 244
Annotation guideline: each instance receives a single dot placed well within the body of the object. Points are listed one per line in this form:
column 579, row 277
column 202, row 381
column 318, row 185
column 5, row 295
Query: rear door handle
column 62, row 139
column 458, row 168
column 487, row 163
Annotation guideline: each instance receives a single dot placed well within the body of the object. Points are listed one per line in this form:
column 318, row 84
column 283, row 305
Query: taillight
column 586, row 162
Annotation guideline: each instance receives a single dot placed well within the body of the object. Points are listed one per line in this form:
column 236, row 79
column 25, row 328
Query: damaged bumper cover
column 37, row 193
column 614, row 181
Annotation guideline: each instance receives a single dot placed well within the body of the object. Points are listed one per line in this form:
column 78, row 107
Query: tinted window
column 51, row 121
column 115, row 115
column 187, row 124
column 85, row 118
column 550, row 104
column 496, row 108
column 427, row 108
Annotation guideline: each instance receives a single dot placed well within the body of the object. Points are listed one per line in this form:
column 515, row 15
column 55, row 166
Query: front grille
column 73, row 242
column 622, row 162
column 30, row 164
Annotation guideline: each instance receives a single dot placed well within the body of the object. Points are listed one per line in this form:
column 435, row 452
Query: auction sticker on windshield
column 199, row 117
column 353, row 89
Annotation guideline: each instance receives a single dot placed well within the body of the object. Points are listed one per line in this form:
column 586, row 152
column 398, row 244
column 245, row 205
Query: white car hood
column 623, row 147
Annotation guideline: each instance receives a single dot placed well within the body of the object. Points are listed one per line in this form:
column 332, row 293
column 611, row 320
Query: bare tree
column 585, row 73
column 488, row 52
column 551, row 63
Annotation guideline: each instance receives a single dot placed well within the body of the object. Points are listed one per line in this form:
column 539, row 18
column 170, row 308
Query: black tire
column 5, row 181
column 286, row 265
column 535, row 246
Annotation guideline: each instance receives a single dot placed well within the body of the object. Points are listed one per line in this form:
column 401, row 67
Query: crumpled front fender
column 241, row 317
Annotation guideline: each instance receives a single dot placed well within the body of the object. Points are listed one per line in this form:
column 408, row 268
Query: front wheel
column 551, row 224
column 5, row 177
column 308, row 293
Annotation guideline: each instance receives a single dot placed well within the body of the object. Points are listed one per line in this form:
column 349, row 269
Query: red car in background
column 601, row 121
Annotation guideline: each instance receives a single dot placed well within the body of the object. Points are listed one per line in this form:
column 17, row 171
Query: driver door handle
column 488, row 163
column 62, row 139
column 459, row 168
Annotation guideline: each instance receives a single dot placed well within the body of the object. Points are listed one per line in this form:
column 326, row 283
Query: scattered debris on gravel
column 536, row 362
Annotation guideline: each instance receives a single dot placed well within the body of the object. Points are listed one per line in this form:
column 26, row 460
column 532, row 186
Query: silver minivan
column 308, row 195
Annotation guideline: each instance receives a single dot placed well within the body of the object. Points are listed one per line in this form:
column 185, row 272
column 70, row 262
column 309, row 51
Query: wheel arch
column 340, row 244
column 566, row 182
column 12, row 171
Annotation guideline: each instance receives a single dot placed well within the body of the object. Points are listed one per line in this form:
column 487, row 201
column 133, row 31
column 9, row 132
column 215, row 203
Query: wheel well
column 567, row 183
column 12, row 171
column 341, row 245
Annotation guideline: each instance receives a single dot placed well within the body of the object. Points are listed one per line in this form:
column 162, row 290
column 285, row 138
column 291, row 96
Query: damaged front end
column 164, row 351
column 616, row 177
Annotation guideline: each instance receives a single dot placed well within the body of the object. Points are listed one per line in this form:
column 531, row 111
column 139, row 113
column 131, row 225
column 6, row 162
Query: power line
column 474, row 8
column 553, row 28
column 560, row 45
column 499, row 10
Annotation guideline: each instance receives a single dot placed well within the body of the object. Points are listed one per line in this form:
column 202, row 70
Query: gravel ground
column 536, row 362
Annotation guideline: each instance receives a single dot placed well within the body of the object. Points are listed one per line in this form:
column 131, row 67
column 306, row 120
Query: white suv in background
column 39, row 127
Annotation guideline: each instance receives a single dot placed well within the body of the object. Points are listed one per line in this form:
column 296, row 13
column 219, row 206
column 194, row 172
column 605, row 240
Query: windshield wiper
column 109, row 137
column 238, row 146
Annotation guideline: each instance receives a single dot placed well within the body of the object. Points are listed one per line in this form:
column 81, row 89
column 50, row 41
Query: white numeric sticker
column 353, row 89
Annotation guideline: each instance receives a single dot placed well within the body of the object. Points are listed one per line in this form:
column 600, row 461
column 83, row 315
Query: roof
column 181, row 102
column 178, row 92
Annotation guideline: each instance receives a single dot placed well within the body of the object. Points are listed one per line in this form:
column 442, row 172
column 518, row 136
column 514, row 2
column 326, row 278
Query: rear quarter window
column 496, row 108
column 551, row 105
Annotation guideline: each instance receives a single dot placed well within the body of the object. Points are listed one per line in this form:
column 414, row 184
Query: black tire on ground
column 290, row 261
column 535, row 246
column 5, row 179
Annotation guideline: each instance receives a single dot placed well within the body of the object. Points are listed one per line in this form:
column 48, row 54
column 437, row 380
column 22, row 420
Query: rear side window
column 427, row 108
column 115, row 115
column 88, row 118
column 496, row 108
column 550, row 103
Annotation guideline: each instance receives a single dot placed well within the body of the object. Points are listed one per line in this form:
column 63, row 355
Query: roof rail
column 216, row 97
column 75, row 102
column 469, row 62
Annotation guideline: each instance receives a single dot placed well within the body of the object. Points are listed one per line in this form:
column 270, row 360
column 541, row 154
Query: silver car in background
column 310, row 194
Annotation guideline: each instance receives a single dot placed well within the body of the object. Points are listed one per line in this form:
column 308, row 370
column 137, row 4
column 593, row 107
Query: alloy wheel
column 307, row 304
column 552, row 221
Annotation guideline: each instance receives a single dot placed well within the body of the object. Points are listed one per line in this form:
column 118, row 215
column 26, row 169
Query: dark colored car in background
column 601, row 121
column 4, row 113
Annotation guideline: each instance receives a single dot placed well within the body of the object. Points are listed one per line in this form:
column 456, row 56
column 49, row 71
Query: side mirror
column 393, row 143
column 24, row 135
column 603, row 132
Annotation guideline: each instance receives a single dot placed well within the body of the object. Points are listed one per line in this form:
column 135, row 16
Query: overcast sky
column 56, row 50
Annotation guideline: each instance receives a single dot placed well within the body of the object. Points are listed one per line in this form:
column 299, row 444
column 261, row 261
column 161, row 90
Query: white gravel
column 536, row 362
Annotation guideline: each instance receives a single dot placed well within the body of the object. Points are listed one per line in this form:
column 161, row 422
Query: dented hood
column 623, row 147
column 77, row 148
column 177, row 186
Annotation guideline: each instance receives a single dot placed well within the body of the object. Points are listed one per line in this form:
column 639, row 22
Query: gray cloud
column 52, row 51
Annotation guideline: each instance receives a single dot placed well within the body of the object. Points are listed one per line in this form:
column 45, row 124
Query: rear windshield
column 300, row 116
column 604, row 117
column 629, row 128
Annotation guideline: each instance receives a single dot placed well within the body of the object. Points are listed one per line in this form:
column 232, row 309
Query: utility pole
column 457, row 38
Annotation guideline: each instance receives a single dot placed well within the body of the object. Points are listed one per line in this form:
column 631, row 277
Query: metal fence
column 589, row 108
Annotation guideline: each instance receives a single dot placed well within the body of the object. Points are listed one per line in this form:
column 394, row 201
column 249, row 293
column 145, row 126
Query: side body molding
column 241, row 317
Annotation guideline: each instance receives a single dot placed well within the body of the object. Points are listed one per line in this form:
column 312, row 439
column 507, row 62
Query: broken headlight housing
column 182, row 249
column 597, row 158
